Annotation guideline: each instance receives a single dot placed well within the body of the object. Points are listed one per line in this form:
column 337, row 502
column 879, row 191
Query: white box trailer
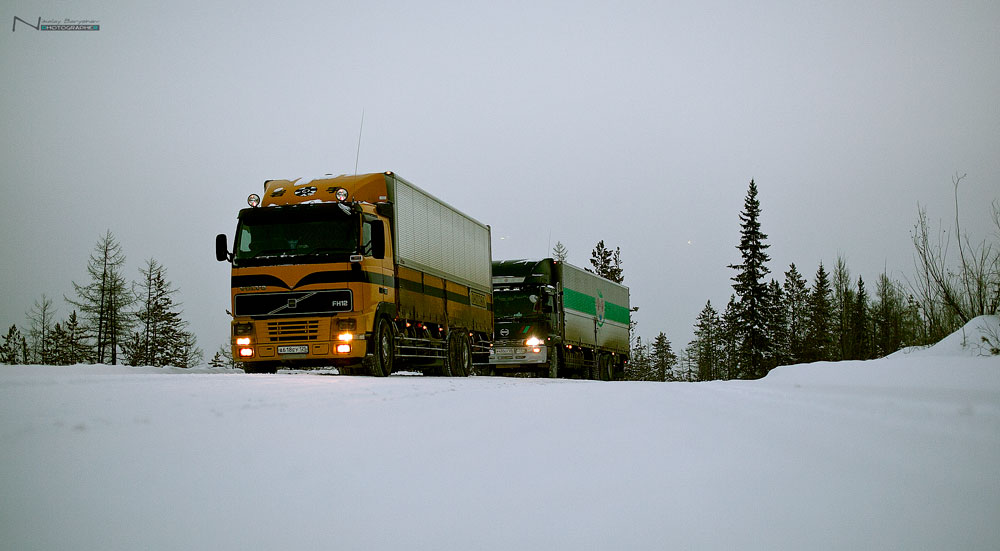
column 596, row 310
column 433, row 237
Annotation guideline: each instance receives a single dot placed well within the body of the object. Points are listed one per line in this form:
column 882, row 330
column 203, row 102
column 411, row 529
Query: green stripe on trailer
column 587, row 304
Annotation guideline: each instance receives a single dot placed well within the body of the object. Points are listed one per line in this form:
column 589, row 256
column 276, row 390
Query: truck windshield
column 515, row 303
column 299, row 234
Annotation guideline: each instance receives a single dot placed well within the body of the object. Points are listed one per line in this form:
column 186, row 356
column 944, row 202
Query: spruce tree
column 160, row 337
column 58, row 346
column 606, row 263
column 76, row 348
column 219, row 360
column 225, row 353
column 777, row 326
column 689, row 362
column 819, row 334
column 751, row 289
column 663, row 359
column 796, row 313
column 730, row 341
column 638, row 367
column 861, row 324
column 560, row 252
column 843, row 299
column 12, row 347
column 708, row 343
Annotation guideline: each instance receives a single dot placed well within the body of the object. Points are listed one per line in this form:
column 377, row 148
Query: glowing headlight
column 243, row 341
column 346, row 337
column 253, row 200
column 532, row 341
column 341, row 194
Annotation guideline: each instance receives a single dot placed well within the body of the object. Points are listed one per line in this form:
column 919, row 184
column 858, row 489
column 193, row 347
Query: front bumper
column 295, row 340
column 518, row 355
column 293, row 351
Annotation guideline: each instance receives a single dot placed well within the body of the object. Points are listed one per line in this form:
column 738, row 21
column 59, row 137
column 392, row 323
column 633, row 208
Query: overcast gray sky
column 639, row 123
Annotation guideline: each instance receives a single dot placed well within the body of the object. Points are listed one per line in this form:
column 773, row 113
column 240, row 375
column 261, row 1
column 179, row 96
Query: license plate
column 301, row 349
column 508, row 350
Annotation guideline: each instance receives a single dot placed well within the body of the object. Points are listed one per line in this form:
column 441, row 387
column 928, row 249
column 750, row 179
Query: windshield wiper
column 270, row 253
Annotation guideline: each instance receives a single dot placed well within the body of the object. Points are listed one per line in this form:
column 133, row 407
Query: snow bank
column 976, row 338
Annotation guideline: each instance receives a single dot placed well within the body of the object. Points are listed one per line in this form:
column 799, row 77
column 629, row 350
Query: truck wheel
column 592, row 368
column 260, row 367
column 459, row 355
column 605, row 367
column 554, row 363
column 381, row 365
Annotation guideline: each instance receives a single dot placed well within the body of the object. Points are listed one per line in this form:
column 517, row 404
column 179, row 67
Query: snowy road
column 900, row 453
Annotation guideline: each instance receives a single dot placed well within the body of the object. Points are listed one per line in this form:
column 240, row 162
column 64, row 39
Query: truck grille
column 285, row 331
column 293, row 303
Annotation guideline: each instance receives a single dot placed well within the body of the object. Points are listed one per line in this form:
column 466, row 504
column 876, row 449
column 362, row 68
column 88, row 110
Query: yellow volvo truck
column 368, row 273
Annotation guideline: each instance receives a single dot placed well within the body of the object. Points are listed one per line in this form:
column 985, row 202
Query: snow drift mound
column 961, row 361
column 979, row 337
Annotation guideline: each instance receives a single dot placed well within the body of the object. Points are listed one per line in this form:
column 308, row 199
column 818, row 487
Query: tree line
column 766, row 324
column 113, row 320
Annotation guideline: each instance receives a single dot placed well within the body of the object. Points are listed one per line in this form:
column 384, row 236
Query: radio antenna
column 358, row 156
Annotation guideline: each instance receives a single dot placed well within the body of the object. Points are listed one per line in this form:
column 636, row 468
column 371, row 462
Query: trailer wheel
column 459, row 355
column 381, row 365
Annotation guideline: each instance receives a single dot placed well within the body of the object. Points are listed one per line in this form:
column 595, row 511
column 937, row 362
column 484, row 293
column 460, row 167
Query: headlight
column 243, row 341
column 341, row 194
column 532, row 341
column 346, row 337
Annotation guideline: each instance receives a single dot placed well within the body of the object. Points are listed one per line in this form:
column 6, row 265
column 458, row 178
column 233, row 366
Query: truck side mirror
column 221, row 248
column 378, row 239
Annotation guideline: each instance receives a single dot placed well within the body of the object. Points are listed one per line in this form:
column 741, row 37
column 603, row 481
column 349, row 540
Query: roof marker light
column 253, row 200
column 340, row 194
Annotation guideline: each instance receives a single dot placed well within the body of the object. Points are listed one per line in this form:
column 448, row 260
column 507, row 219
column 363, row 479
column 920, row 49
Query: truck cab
column 553, row 319
column 527, row 320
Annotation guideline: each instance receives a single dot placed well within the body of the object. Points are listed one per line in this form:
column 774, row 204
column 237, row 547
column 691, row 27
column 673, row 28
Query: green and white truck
column 556, row 320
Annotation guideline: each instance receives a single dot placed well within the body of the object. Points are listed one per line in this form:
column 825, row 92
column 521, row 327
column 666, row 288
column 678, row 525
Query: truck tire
column 554, row 362
column 382, row 349
column 592, row 368
column 260, row 367
column 459, row 355
column 606, row 367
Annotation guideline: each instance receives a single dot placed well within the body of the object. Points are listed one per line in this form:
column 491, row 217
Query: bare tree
column 41, row 318
column 950, row 294
column 105, row 300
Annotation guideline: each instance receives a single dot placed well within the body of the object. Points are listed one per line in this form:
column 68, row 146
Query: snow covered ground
column 898, row 453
